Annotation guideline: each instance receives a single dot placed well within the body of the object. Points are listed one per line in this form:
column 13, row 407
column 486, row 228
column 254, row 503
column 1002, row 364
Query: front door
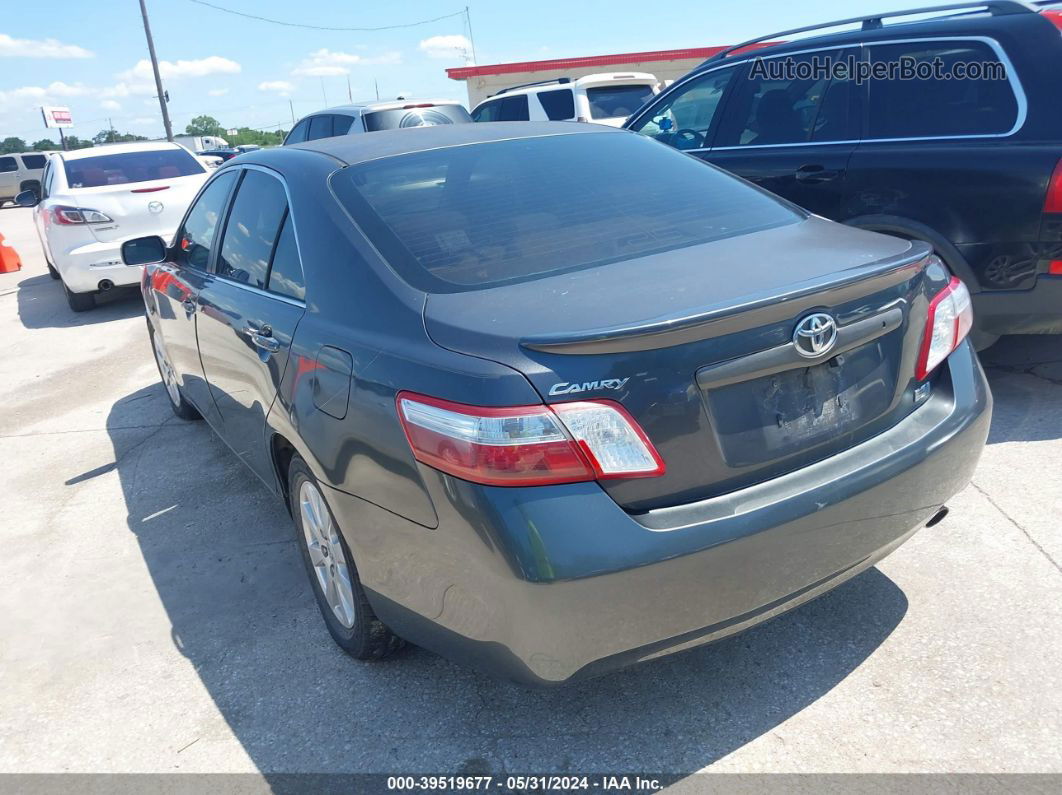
column 249, row 308
column 791, row 127
column 176, row 284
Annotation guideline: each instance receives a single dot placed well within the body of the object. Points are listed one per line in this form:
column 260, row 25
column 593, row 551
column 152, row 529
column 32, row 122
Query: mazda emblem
column 815, row 335
column 155, row 207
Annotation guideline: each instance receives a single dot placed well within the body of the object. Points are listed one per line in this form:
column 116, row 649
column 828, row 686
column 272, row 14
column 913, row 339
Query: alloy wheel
column 169, row 376
column 326, row 553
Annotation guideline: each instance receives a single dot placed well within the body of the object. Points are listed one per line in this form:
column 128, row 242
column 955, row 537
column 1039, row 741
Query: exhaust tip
column 938, row 517
column 105, row 285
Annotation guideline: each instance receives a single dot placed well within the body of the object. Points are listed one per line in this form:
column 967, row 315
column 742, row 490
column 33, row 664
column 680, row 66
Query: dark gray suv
column 554, row 398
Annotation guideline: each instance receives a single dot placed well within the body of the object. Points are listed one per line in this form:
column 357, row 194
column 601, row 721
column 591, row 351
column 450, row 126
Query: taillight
column 1053, row 200
column 527, row 445
column 68, row 216
column 950, row 319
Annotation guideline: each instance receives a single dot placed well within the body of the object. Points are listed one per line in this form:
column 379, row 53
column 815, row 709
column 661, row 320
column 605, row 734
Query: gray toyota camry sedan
column 554, row 398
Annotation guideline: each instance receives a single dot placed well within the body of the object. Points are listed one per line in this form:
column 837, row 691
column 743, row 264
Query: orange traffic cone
column 9, row 261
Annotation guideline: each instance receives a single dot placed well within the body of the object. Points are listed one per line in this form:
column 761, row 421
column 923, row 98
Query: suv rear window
column 945, row 105
column 415, row 117
column 475, row 216
column 33, row 162
column 609, row 102
column 125, row 167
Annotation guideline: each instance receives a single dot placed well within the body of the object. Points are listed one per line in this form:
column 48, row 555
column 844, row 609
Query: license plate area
column 774, row 416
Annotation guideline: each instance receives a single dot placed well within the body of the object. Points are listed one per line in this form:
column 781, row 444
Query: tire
column 181, row 407
column 351, row 623
column 52, row 271
column 79, row 302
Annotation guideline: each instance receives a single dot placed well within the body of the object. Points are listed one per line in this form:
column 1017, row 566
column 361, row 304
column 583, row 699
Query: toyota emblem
column 815, row 335
column 155, row 207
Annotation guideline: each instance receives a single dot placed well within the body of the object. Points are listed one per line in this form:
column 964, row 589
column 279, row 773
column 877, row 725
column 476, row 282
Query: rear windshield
column 125, row 167
column 469, row 217
column 609, row 102
column 415, row 117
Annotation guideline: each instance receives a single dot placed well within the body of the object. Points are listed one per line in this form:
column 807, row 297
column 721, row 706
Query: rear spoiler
column 756, row 310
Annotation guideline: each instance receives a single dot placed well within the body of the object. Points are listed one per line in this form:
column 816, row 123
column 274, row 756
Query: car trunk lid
column 701, row 352
column 154, row 207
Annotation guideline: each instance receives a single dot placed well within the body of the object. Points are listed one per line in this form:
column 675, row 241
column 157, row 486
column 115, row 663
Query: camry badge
column 815, row 335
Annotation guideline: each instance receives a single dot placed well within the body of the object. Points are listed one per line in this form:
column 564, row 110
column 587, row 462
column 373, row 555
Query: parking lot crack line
column 1011, row 519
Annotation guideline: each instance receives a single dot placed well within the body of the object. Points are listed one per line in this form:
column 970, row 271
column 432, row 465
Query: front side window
column 469, row 217
column 488, row 111
column 684, row 116
column 298, row 133
column 781, row 101
column 197, row 236
column 252, row 229
column 512, row 108
column 969, row 93
column 559, row 105
column 127, row 167
column 612, row 102
column 8, row 164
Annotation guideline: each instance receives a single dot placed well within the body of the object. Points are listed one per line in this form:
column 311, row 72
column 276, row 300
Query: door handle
column 816, row 173
column 263, row 338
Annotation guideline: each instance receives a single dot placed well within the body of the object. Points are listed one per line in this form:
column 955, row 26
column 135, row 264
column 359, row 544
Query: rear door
column 248, row 311
column 792, row 125
column 175, row 286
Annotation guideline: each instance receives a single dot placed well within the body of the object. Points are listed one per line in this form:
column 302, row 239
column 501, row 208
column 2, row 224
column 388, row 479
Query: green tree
column 12, row 144
column 204, row 125
column 73, row 142
column 115, row 137
column 45, row 145
column 248, row 135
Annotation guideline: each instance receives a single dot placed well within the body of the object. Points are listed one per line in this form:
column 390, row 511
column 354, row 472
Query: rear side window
column 610, row 102
column 128, row 167
column 469, row 217
column 559, row 105
column 320, row 127
column 783, row 101
column 298, row 133
column 684, row 117
column 414, row 116
column 252, row 229
column 341, row 124
column 33, row 162
column 285, row 274
column 8, row 164
column 944, row 103
column 196, row 240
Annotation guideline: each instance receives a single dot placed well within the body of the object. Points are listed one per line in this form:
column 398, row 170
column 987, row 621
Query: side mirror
column 27, row 198
column 143, row 250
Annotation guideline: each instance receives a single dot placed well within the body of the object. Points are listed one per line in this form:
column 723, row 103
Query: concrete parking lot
column 155, row 615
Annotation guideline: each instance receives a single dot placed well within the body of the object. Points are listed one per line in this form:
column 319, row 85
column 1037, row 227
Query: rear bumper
column 544, row 585
column 84, row 266
column 1035, row 311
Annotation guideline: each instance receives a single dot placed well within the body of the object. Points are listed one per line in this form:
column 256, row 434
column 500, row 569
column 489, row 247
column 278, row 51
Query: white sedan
column 95, row 199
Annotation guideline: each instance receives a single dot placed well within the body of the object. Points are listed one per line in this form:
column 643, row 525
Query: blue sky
column 92, row 57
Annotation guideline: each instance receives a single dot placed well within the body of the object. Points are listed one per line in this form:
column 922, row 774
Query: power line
column 324, row 27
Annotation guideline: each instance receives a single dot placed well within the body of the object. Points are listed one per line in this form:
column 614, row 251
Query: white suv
column 21, row 171
column 607, row 98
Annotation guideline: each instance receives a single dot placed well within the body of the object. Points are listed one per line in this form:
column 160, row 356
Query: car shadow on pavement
column 220, row 550
column 42, row 304
column 1025, row 373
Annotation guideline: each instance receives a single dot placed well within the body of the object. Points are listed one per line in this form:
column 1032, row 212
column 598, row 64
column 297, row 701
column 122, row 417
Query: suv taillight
column 68, row 216
column 528, row 445
column 950, row 319
column 1053, row 199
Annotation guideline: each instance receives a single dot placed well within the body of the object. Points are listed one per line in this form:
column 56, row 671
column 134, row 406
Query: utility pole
column 158, row 77
column 471, row 40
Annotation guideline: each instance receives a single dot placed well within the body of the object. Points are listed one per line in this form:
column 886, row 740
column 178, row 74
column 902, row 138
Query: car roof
column 119, row 149
column 353, row 149
column 358, row 108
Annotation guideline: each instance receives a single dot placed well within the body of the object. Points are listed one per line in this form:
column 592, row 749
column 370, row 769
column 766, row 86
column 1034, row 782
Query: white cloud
column 146, row 120
column 61, row 89
column 218, row 92
column 325, row 63
column 110, row 104
column 200, row 67
column 40, row 94
column 446, row 47
column 282, row 87
column 47, row 48
column 123, row 89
